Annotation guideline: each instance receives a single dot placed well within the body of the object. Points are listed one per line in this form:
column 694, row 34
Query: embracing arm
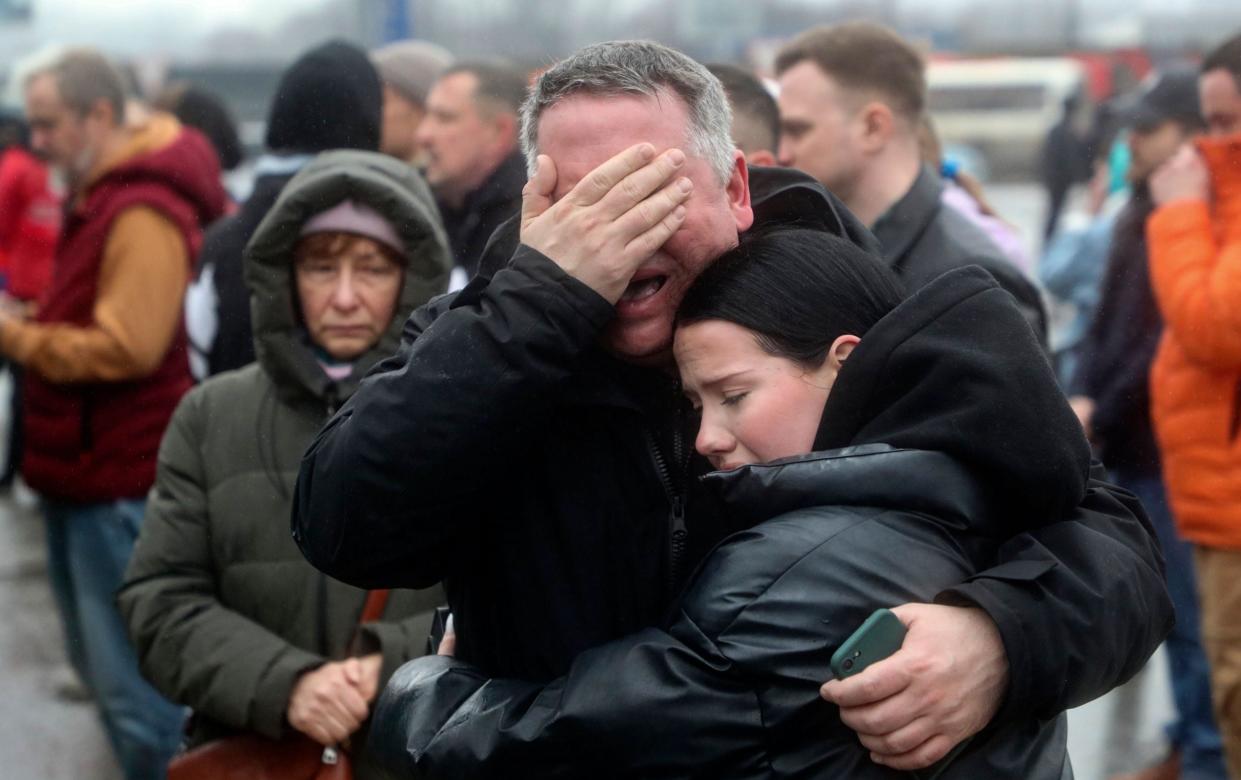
column 1080, row 604
column 1069, row 611
column 194, row 649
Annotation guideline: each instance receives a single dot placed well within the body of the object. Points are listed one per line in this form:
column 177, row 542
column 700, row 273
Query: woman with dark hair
column 871, row 451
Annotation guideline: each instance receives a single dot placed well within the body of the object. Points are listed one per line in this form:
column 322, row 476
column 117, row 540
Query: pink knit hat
column 352, row 217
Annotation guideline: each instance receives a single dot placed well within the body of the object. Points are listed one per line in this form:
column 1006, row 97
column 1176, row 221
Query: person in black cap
column 207, row 112
column 330, row 98
column 1111, row 396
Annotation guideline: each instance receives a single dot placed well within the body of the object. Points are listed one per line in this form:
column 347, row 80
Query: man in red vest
column 105, row 360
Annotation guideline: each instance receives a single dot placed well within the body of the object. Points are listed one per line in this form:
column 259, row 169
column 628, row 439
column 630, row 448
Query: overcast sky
column 132, row 26
column 175, row 27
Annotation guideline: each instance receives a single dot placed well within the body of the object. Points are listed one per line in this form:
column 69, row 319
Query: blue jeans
column 88, row 548
column 1194, row 732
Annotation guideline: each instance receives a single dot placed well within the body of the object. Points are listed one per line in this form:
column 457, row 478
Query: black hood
column 330, row 98
column 955, row 369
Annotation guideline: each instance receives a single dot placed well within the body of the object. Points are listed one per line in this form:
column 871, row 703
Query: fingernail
column 647, row 151
column 685, row 185
column 676, row 156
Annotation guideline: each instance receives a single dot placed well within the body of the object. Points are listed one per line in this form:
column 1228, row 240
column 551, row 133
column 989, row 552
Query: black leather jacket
column 728, row 688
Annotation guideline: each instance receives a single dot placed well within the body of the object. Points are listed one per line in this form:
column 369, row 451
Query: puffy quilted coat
column 1195, row 257
column 224, row 611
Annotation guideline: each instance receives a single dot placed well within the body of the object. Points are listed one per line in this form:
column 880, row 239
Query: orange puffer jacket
column 1195, row 261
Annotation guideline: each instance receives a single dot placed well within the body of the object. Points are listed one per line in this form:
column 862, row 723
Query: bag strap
column 373, row 610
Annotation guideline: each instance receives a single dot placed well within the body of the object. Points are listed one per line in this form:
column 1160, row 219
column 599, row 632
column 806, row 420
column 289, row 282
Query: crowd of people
column 658, row 378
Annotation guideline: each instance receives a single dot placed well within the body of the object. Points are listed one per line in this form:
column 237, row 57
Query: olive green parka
column 224, row 611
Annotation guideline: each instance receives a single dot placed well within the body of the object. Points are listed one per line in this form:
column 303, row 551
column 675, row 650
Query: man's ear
column 737, row 190
column 877, row 124
column 103, row 112
column 505, row 125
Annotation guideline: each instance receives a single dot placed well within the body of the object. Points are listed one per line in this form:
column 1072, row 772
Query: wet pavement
column 42, row 735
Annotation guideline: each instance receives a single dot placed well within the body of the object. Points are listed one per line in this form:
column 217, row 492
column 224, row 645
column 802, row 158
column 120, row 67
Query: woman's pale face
column 755, row 407
column 347, row 298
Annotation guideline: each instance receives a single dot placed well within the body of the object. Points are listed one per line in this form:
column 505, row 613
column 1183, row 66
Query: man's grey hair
column 83, row 78
column 637, row 68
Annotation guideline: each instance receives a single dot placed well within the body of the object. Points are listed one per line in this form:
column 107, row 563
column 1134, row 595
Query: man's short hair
column 635, row 68
column 83, row 78
column 867, row 57
column 501, row 85
column 756, row 117
column 1227, row 56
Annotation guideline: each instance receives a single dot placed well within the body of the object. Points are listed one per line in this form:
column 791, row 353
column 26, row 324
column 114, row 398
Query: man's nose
column 424, row 134
column 783, row 154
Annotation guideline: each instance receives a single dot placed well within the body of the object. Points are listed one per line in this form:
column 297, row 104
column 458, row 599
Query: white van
column 1002, row 107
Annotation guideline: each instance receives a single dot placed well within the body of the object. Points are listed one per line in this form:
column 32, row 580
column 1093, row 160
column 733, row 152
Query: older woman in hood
column 227, row 616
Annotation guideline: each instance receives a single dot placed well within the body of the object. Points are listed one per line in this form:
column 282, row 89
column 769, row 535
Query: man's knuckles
column 897, row 743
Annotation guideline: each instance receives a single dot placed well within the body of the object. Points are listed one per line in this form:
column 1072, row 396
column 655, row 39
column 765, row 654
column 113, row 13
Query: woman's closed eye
column 734, row 399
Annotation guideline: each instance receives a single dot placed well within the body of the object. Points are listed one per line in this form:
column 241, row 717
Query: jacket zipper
column 678, row 533
column 333, row 403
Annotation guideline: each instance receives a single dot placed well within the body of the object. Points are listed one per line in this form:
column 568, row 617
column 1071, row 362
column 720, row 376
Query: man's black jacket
column 502, row 451
column 497, row 199
column 921, row 239
column 1116, row 355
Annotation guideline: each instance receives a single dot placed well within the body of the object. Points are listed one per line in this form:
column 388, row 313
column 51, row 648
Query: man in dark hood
column 330, row 98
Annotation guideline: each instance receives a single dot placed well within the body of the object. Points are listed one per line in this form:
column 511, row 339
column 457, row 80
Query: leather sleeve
column 1081, row 604
column 390, row 488
column 728, row 690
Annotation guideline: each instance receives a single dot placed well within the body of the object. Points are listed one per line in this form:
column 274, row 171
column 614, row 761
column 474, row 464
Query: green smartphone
column 877, row 638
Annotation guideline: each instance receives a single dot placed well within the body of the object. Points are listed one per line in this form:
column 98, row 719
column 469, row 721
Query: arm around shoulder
column 1080, row 603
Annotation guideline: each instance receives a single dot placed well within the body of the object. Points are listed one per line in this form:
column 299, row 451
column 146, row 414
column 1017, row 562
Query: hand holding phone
column 879, row 636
